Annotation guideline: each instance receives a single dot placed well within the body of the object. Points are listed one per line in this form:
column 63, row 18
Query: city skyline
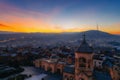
column 53, row 16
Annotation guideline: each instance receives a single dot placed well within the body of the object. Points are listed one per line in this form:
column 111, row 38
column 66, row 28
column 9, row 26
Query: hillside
column 91, row 34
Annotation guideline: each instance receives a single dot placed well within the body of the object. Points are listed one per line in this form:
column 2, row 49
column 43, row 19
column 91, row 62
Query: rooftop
column 84, row 47
column 69, row 69
column 98, row 75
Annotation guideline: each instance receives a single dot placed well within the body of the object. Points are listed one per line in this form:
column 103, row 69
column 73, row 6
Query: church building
column 84, row 61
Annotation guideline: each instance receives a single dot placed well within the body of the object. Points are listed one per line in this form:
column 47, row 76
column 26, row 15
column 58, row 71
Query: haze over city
column 56, row 16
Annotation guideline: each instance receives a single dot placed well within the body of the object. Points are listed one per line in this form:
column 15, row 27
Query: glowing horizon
column 59, row 16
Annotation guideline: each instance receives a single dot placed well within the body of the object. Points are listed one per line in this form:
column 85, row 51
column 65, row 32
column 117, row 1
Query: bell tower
column 83, row 61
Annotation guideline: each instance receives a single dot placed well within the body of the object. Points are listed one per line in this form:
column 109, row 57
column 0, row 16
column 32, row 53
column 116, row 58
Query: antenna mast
column 97, row 27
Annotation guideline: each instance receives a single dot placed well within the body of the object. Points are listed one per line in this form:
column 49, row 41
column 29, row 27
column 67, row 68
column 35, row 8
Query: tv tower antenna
column 97, row 27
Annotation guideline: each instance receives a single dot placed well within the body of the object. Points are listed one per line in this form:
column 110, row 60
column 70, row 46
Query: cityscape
column 59, row 40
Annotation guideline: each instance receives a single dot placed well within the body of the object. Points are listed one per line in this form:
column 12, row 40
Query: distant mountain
column 12, row 38
column 97, row 34
column 8, row 32
column 91, row 34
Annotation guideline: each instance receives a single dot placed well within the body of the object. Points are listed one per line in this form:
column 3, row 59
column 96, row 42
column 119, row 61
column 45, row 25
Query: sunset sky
column 59, row 15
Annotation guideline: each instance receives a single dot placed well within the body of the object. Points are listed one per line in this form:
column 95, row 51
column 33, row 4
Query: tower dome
column 84, row 47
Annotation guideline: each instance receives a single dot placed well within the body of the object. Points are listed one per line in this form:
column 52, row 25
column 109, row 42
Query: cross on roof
column 84, row 40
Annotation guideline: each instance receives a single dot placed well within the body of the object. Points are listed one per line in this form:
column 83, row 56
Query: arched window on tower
column 82, row 62
column 89, row 62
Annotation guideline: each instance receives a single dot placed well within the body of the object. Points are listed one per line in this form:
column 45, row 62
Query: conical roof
column 84, row 47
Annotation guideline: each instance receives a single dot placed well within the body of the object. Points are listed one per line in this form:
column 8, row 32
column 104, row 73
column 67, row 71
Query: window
column 94, row 62
column 71, row 78
column 115, row 68
column 65, row 77
column 99, row 62
column 82, row 60
column 42, row 79
column 82, row 65
column 81, row 79
column 43, row 66
column 49, row 69
column 89, row 66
